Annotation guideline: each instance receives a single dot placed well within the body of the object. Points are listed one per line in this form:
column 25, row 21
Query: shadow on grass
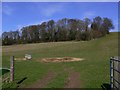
column 20, row 81
column 105, row 86
column 4, row 71
column 23, row 79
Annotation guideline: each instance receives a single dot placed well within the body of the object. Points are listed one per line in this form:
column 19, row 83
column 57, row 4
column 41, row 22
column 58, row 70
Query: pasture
column 91, row 72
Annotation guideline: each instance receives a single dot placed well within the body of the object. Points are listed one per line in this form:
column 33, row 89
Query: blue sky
column 18, row 14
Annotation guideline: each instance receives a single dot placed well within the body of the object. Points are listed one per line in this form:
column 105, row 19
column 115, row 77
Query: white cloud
column 7, row 10
column 51, row 9
column 0, row 31
column 19, row 26
column 89, row 14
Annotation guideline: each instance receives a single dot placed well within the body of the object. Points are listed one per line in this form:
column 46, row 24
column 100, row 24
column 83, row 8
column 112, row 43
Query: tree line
column 62, row 30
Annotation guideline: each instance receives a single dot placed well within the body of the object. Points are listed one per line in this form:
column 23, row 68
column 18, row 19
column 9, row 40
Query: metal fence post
column 119, row 74
column 12, row 68
column 111, row 73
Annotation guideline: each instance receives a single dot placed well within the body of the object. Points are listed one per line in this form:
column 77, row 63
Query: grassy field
column 94, row 69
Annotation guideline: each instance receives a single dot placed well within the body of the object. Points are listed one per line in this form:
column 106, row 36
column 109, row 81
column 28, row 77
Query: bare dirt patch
column 61, row 59
column 20, row 59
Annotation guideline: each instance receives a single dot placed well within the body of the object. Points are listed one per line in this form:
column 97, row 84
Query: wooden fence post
column 12, row 68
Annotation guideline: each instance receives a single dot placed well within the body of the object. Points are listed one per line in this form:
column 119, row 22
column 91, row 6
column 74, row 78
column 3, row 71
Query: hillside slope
column 94, row 70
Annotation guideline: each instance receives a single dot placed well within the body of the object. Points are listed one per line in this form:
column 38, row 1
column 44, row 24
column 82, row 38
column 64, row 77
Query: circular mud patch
column 62, row 59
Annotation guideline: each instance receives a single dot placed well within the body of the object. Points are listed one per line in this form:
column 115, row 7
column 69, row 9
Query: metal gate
column 115, row 73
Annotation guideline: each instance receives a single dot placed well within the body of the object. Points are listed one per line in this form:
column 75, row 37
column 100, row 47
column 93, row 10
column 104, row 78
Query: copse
column 100, row 27
column 61, row 30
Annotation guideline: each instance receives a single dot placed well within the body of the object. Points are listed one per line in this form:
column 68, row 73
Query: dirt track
column 44, row 81
column 73, row 80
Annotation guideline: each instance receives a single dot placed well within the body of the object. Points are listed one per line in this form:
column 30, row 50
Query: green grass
column 94, row 70
column 58, row 82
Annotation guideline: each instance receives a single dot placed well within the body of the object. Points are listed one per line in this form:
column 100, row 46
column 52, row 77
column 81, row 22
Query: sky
column 60, row 0
column 15, row 15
